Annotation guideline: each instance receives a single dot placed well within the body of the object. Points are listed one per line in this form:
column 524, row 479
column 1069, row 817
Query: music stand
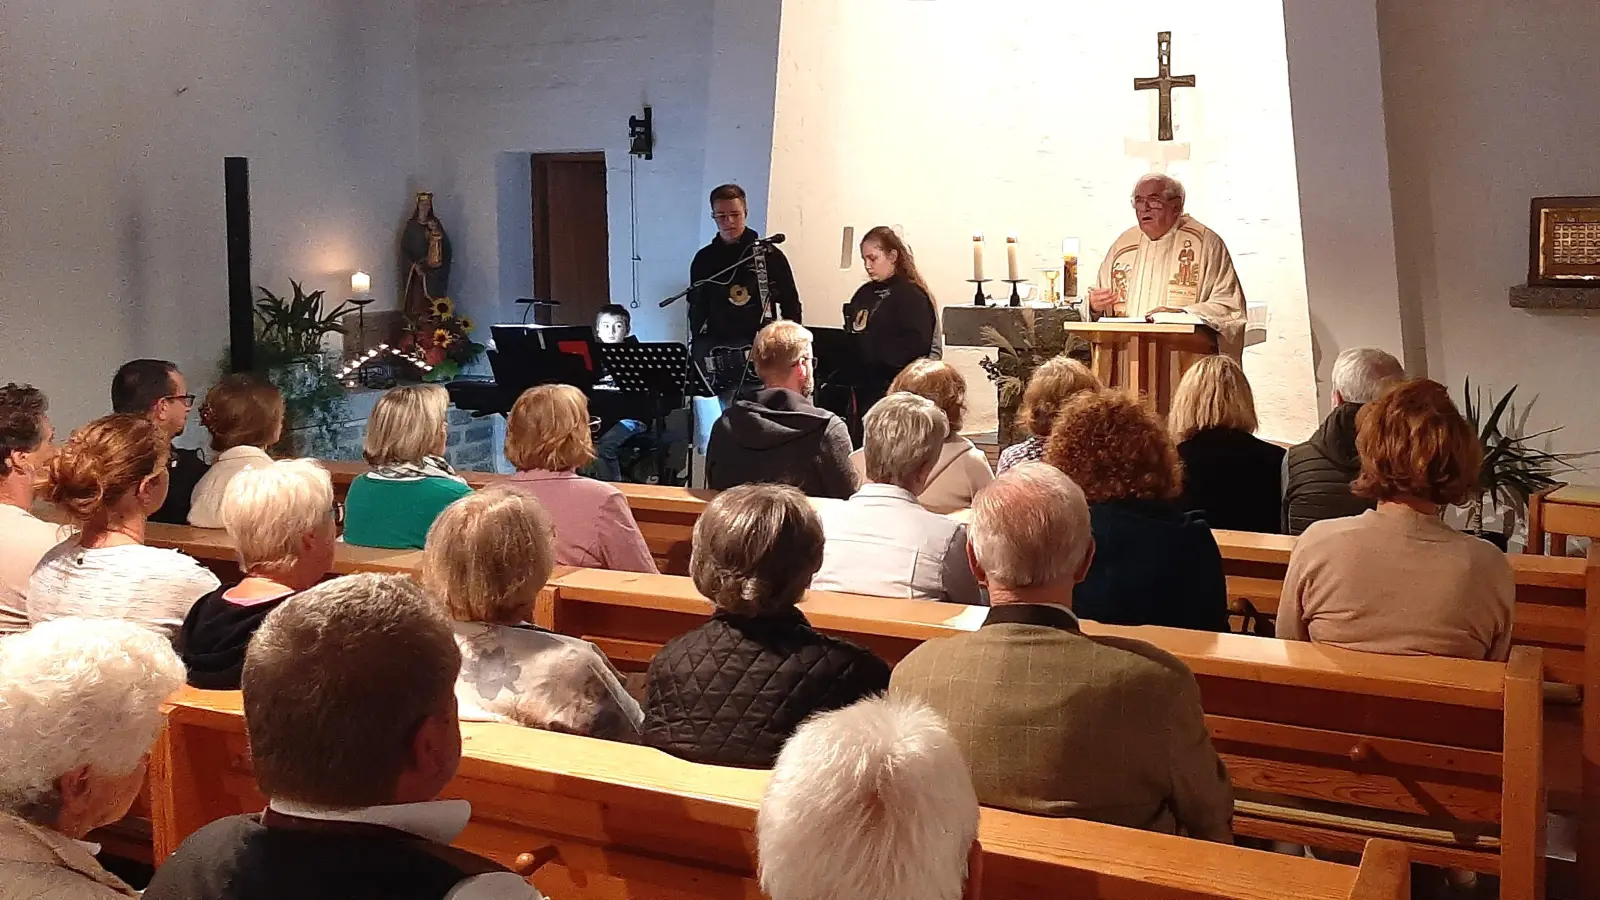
column 528, row 356
column 663, row 372
column 839, row 372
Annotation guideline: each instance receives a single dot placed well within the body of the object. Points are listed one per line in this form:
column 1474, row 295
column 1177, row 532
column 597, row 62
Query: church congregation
column 799, row 450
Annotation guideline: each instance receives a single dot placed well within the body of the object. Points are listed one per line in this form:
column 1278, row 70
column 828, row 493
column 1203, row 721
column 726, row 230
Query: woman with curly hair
column 1396, row 579
column 1153, row 563
column 1051, row 385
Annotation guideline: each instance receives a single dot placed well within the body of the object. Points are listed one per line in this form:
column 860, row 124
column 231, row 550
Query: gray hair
column 755, row 549
column 269, row 509
column 1361, row 374
column 336, row 681
column 1171, row 188
column 904, row 434
column 73, row 693
column 1030, row 527
column 874, row 800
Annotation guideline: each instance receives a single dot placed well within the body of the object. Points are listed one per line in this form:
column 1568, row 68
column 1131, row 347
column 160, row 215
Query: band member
column 728, row 311
column 893, row 313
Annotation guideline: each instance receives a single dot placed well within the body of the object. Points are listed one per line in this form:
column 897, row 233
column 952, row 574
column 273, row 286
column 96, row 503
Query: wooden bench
column 620, row 821
column 1560, row 513
column 1364, row 745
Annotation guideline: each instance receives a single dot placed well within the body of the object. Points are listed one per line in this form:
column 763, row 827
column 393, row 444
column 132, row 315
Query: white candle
column 977, row 257
column 1012, row 271
column 1069, row 250
column 360, row 283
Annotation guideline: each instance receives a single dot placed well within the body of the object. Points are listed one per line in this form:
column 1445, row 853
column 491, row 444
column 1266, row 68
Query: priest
column 1170, row 263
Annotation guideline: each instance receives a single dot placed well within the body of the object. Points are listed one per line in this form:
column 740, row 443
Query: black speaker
column 241, row 294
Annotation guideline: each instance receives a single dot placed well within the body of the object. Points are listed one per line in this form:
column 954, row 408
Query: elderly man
column 778, row 436
column 873, row 800
column 80, row 705
column 882, row 542
column 1317, row 474
column 1052, row 721
column 155, row 389
column 1170, row 263
column 26, row 443
column 349, row 700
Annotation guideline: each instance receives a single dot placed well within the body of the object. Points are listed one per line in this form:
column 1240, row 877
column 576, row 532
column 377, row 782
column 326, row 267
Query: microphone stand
column 711, row 279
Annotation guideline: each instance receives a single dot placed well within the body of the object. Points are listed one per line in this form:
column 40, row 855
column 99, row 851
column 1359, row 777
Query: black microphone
column 778, row 238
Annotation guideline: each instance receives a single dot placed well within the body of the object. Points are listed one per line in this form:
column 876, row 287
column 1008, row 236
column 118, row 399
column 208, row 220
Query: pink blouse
column 594, row 526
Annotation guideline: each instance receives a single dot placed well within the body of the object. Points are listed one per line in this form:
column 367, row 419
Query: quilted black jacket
column 733, row 690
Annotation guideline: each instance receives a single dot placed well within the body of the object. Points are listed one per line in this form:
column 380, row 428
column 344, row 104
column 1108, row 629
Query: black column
column 241, row 295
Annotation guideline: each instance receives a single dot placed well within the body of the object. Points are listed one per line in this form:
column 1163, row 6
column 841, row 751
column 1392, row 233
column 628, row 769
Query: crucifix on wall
column 1163, row 83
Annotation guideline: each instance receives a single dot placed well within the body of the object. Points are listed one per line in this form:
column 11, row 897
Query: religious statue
column 426, row 250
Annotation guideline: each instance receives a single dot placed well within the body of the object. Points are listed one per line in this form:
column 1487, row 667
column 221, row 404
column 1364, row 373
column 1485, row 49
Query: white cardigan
column 205, row 504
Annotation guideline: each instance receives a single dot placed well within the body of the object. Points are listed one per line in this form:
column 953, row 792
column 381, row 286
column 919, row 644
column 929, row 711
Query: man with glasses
column 728, row 311
column 155, row 389
column 1170, row 263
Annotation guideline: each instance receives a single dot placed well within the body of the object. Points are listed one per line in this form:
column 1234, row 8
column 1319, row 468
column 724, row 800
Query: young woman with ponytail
column 108, row 478
column 893, row 314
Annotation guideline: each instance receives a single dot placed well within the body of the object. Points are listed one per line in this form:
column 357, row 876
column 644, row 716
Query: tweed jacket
column 1054, row 722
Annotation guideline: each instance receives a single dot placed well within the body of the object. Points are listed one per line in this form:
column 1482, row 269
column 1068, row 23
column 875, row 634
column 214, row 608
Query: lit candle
column 360, row 283
column 1012, row 272
column 1069, row 250
column 977, row 257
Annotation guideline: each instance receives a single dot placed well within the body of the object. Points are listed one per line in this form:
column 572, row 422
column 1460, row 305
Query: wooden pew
column 1356, row 736
column 627, row 821
column 1562, row 512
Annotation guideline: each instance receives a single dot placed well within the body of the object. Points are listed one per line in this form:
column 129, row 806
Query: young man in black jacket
column 778, row 436
column 729, row 311
column 155, row 389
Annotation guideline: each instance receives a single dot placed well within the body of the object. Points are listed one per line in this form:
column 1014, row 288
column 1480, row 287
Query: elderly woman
column 882, row 542
column 393, row 505
column 961, row 470
column 1231, row 478
column 548, row 438
column 1153, row 563
column 244, row 414
column 732, row 691
column 80, row 705
column 282, row 520
column 1396, row 579
column 488, row 556
column 109, row 477
column 1052, row 385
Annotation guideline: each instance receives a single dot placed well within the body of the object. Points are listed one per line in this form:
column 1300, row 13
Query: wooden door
column 571, row 235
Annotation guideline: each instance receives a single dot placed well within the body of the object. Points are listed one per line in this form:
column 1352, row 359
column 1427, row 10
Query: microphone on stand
column 778, row 238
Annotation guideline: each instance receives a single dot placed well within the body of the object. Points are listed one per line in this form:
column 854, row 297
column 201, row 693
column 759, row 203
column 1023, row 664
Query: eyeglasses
column 1150, row 202
column 185, row 399
column 726, row 217
column 338, row 514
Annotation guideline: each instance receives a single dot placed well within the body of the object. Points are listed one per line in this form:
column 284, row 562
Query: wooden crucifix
column 1164, row 83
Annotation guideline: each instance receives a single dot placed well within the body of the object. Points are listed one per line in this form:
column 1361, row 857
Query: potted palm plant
column 1513, row 468
column 289, row 336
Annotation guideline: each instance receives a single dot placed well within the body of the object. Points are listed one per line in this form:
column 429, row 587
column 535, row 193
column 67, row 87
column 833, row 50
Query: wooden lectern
column 1143, row 358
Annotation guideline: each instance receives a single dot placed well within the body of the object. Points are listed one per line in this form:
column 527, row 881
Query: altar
column 1144, row 359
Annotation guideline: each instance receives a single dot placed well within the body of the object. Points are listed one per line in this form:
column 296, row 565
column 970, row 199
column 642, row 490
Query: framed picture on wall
column 1564, row 242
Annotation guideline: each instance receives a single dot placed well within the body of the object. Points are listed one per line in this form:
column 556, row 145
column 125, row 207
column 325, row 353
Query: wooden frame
column 1543, row 270
column 612, row 821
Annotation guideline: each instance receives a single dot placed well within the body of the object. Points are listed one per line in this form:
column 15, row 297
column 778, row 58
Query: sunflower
column 466, row 324
column 441, row 337
column 443, row 306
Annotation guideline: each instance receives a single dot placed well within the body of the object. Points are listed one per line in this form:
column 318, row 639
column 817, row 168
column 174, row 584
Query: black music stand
column 663, row 372
column 839, row 373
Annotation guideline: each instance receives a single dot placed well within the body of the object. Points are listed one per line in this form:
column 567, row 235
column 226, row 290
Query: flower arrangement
column 1013, row 365
column 441, row 339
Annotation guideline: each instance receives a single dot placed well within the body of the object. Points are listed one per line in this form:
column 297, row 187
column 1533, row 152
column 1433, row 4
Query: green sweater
column 396, row 515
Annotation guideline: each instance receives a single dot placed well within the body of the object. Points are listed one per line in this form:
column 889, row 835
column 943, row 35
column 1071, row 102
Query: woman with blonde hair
column 548, row 438
column 962, row 470
column 893, row 314
column 244, row 414
column 1231, row 478
column 1397, row 579
column 109, row 477
column 393, row 505
column 1154, row 564
column 284, row 526
column 488, row 556
column 1052, row 385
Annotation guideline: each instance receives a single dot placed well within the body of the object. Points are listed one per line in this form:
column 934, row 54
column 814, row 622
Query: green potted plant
column 289, row 335
column 1513, row 468
column 1013, row 365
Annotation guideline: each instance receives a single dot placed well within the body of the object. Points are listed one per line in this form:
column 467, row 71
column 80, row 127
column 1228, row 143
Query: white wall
column 1489, row 105
column 116, row 120
column 501, row 81
column 973, row 115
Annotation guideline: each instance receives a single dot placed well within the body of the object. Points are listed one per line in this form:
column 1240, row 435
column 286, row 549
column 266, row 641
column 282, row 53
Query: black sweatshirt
column 896, row 322
column 730, row 314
